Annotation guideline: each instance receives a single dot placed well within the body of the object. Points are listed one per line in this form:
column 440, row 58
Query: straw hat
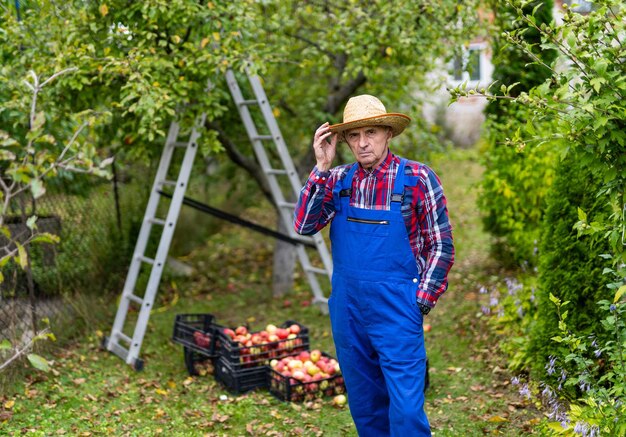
column 366, row 110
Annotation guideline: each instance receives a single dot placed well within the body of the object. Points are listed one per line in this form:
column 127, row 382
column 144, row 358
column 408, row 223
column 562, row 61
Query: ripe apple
column 282, row 333
column 229, row 332
column 315, row 355
column 271, row 329
column 294, row 329
column 339, row 400
column 427, row 327
column 241, row 330
column 273, row 364
column 298, row 374
column 313, row 370
column 304, row 356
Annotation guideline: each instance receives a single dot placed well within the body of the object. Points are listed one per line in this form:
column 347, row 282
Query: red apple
column 427, row 327
column 282, row 333
column 241, row 330
column 294, row 329
column 229, row 332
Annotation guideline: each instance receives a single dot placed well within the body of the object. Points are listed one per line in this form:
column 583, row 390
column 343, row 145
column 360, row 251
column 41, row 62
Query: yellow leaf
column 9, row 404
column 498, row 419
column 176, row 39
column 620, row 293
column 99, row 333
column 156, row 84
column 210, row 5
column 107, row 50
column 276, row 112
column 389, row 51
column 204, row 42
column 23, row 257
column 251, row 319
column 104, row 10
column 171, row 384
column 216, row 36
column 161, row 392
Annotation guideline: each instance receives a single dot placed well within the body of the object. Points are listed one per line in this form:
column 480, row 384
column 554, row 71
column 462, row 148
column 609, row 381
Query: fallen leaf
column 79, row 381
column 9, row 404
column 5, row 415
column 498, row 419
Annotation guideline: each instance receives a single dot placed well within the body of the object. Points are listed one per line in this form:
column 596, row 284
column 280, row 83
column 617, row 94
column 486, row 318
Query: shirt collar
column 378, row 172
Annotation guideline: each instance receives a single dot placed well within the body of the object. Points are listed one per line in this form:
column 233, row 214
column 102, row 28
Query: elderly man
column 392, row 251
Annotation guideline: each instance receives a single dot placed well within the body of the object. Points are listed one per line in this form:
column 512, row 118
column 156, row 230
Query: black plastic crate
column 197, row 332
column 198, row 364
column 240, row 380
column 287, row 388
column 239, row 356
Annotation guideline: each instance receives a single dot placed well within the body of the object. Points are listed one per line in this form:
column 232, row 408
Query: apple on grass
column 427, row 327
column 340, row 401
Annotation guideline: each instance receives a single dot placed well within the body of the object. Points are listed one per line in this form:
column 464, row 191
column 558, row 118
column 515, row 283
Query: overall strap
column 343, row 187
column 398, row 184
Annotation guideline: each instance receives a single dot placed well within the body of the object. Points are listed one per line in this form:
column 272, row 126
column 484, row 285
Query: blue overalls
column 377, row 326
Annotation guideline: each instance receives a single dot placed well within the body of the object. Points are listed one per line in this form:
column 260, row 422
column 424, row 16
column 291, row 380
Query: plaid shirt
column 424, row 210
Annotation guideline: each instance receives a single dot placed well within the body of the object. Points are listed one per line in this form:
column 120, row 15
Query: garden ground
column 91, row 392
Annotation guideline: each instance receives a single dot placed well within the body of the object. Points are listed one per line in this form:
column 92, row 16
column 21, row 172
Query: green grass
column 91, row 392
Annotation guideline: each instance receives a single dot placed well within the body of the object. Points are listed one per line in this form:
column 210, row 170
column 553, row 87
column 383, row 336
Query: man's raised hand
column 324, row 146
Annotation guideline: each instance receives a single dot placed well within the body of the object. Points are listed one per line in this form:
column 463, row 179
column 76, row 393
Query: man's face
column 369, row 144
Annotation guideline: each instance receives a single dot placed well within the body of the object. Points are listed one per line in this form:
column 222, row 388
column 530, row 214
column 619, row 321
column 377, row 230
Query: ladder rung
column 248, row 102
column 145, row 259
column 287, row 205
column 316, row 270
column 275, row 171
column 263, row 137
column 179, row 144
column 156, row 221
column 166, row 182
column 124, row 337
column 134, row 298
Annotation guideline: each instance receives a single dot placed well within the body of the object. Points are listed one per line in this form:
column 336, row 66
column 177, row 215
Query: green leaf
column 31, row 222
column 555, row 299
column 582, row 216
column 5, row 345
column 5, row 155
column 4, row 230
column 40, row 120
column 37, row 188
column 38, row 362
column 45, row 237
column 619, row 294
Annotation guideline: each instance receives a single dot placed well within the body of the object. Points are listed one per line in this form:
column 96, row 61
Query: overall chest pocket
column 375, row 227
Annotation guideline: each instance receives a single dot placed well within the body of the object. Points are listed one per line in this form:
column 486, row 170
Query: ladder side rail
column 164, row 243
column 144, row 235
column 283, row 151
column 277, row 136
column 257, row 144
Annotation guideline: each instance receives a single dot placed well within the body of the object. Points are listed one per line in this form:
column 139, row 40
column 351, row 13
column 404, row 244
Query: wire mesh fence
column 96, row 220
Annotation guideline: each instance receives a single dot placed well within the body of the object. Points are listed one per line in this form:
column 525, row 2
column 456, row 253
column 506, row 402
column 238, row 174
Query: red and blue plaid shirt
column 423, row 208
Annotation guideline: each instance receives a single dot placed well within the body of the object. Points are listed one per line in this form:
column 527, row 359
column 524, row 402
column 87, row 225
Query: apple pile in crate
column 244, row 349
column 305, row 376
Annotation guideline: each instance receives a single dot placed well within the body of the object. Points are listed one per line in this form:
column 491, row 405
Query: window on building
column 467, row 65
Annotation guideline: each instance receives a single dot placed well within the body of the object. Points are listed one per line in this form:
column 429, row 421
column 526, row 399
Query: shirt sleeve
column 315, row 208
column 437, row 255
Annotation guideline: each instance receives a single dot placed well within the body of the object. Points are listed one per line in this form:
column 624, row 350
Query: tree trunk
column 284, row 263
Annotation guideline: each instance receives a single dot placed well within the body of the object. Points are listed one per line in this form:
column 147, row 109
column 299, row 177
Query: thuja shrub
column 515, row 183
column 570, row 267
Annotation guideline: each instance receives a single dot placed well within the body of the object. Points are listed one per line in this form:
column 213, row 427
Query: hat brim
column 397, row 122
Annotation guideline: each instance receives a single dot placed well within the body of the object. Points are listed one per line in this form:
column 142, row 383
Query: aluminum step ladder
column 124, row 345
column 283, row 167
